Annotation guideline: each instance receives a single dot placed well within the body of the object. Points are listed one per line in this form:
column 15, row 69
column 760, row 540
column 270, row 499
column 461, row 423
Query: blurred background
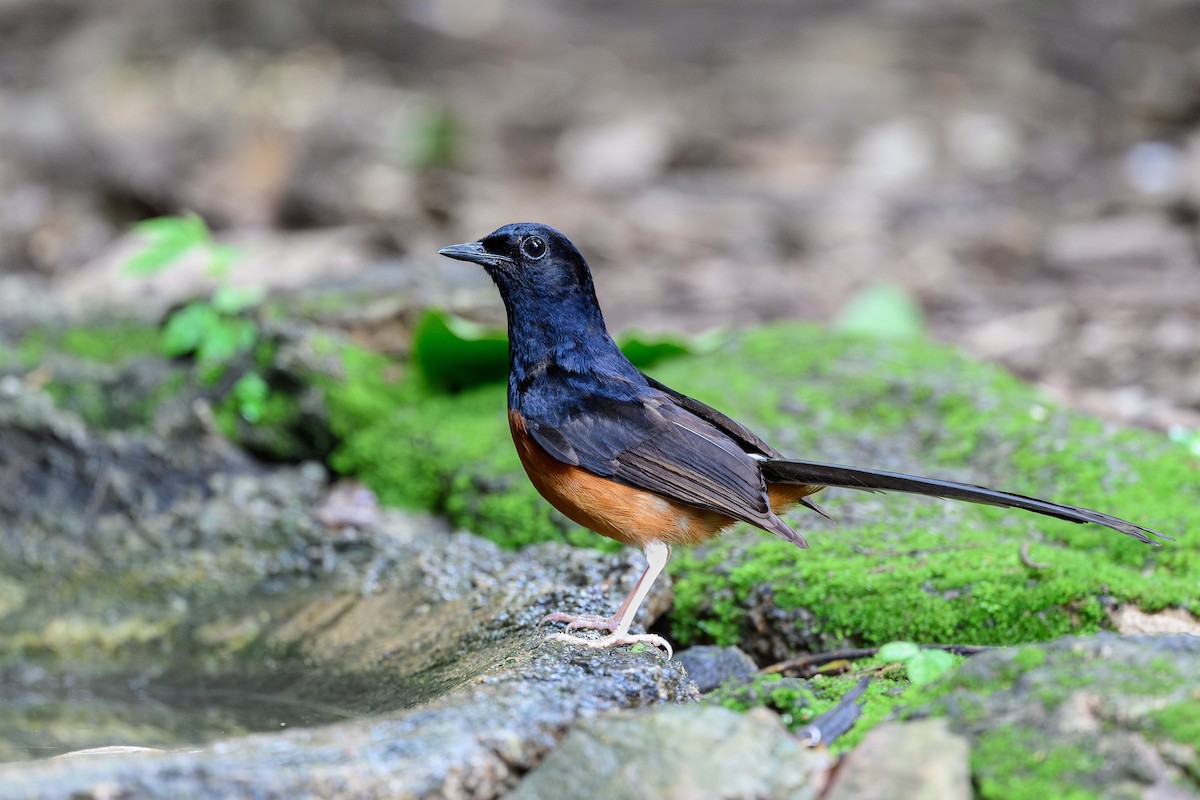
column 1028, row 171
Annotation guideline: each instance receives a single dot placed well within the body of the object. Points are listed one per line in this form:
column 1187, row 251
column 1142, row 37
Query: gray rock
column 906, row 761
column 685, row 753
column 1104, row 716
column 457, row 691
column 193, row 566
column 474, row 743
column 710, row 666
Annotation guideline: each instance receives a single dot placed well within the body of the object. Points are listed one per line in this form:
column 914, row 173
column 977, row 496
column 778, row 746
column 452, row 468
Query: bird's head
column 529, row 263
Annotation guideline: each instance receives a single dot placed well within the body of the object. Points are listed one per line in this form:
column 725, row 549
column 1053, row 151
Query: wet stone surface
column 475, row 742
column 423, row 639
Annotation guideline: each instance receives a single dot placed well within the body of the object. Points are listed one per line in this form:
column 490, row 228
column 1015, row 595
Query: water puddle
column 42, row 724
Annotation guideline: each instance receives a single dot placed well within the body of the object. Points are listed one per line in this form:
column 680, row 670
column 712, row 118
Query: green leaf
column 928, row 665
column 898, row 651
column 235, row 299
column 219, row 345
column 251, row 392
column 167, row 239
column 195, row 228
column 644, row 350
column 210, row 372
column 152, row 259
column 187, row 328
column 251, row 387
column 226, row 339
column 455, row 353
column 187, row 227
column 884, row 311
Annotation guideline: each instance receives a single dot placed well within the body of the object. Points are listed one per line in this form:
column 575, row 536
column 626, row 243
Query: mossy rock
column 896, row 567
column 890, row 567
column 1101, row 717
column 800, row 701
column 109, row 372
column 103, row 341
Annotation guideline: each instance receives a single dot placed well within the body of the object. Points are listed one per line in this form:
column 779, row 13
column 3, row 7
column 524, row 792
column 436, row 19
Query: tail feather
column 871, row 480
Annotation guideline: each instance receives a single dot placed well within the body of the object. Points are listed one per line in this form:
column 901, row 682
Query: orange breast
column 631, row 516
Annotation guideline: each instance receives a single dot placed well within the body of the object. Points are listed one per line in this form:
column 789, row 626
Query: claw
column 589, row 621
column 617, row 625
column 615, row 639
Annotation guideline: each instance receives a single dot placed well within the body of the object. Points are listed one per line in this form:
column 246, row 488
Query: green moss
column 882, row 697
column 1009, row 704
column 926, row 570
column 421, row 448
column 115, row 396
column 894, row 567
column 107, row 407
column 31, row 348
column 785, row 695
column 1179, row 722
column 109, row 342
column 978, row 592
column 1156, row 678
column 1019, row 763
column 798, row 702
column 1028, row 658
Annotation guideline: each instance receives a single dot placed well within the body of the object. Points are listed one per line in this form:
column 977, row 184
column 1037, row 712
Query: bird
column 634, row 460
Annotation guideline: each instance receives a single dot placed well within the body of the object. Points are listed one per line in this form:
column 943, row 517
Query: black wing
column 656, row 444
column 748, row 439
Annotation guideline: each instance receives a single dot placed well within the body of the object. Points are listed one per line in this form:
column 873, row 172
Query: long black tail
column 873, row 480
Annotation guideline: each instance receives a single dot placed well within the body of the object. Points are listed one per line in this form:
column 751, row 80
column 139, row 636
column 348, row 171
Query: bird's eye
column 533, row 247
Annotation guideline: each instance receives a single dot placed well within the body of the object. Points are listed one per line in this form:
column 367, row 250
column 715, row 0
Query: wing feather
column 655, row 444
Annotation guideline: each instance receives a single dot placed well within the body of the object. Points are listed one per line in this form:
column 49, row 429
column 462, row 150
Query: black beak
column 474, row 252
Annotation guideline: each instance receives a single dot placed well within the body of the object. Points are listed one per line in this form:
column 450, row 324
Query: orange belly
column 631, row 516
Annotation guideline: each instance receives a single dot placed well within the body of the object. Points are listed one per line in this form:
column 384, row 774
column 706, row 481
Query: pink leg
column 618, row 624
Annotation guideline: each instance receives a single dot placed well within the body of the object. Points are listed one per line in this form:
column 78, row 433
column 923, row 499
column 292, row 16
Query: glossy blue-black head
column 553, row 316
column 531, row 264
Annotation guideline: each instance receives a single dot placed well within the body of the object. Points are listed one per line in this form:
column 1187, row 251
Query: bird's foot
column 590, row 621
column 614, row 639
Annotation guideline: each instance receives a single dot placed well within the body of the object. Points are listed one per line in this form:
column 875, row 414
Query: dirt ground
column 1029, row 172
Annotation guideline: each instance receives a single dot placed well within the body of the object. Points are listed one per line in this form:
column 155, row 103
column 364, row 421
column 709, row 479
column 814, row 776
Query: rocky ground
column 1029, row 174
column 176, row 577
column 154, row 568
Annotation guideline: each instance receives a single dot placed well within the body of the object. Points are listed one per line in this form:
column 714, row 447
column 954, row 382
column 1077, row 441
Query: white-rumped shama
column 636, row 461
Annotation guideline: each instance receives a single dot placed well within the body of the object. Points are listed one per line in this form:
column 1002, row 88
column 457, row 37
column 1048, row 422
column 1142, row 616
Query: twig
column 817, row 659
column 807, row 662
column 837, row 720
column 1028, row 561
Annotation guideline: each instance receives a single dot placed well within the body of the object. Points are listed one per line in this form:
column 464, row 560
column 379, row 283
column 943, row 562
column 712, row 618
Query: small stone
column 692, row 752
column 710, row 666
column 910, row 760
column 893, row 155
